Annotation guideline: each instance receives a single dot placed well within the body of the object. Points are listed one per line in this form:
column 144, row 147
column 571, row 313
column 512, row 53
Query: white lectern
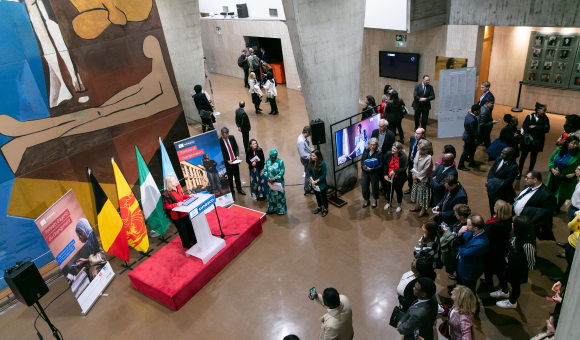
column 207, row 245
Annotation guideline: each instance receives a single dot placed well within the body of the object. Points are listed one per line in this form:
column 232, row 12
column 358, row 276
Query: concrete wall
column 256, row 8
column 222, row 50
column 181, row 25
column 446, row 41
column 425, row 14
column 507, row 66
column 543, row 13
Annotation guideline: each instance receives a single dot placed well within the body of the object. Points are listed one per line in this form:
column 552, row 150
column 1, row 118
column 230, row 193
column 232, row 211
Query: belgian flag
column 111, row 229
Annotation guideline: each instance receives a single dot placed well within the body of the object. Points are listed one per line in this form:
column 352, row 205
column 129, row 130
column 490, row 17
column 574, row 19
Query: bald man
column 419, row 134
column 446, row 168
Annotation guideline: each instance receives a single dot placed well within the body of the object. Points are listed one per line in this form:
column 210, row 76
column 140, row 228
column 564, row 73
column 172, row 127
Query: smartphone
column 74, row 265
column 550, row 299
column 312, row 293
column 416, row 334
column 444, row 226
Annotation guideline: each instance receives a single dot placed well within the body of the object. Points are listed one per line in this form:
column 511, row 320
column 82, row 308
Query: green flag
column 151, row 201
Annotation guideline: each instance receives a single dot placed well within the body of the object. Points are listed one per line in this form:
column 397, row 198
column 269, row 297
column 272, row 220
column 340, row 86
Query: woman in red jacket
column 172, row 198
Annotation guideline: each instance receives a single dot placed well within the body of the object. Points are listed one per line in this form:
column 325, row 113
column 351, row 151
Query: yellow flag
column 131, row 214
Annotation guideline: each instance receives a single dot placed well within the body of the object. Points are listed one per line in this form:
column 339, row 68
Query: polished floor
column 262, row 294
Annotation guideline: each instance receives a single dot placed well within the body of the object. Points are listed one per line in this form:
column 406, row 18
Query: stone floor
column 262, row 294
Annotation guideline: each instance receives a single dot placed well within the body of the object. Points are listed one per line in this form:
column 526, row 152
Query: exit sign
column 401, row 37
column 401, row 44
column 218, row 30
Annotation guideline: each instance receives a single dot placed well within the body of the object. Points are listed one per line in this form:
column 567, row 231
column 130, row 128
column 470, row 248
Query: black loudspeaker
column 317, row 132
column 26, row 283
column 242, row 10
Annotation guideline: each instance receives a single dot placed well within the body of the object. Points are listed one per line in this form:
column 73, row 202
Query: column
column 181, row 24
column 326, row 38
column 568, row 323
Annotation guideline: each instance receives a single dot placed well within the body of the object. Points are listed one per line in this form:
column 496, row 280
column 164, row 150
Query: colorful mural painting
column 82, row 81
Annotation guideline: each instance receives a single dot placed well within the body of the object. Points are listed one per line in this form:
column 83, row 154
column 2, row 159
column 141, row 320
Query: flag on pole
column 130, row 213
column 166, row 163
column 111, row 229
column 151, row 200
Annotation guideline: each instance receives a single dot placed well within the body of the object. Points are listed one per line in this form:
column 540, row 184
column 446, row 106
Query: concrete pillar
column 181, row 24
column 326, row 38
column 568, row 323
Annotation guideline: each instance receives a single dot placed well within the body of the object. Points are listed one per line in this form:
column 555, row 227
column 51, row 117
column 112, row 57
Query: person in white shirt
column 536, row 195
column 337, row 323
column 304, row 150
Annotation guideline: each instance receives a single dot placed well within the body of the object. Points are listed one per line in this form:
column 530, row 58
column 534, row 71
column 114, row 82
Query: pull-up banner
column 456, row 96
column 77, row 250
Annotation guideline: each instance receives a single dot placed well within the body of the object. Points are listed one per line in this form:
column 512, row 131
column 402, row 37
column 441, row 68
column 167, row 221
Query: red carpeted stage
column 171, row 278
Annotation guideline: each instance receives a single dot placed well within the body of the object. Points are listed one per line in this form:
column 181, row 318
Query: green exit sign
column 401, row 37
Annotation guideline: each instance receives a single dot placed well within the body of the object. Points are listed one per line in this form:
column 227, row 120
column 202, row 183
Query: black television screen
column 399, row 65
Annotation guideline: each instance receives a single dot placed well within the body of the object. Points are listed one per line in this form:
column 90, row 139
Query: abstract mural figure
column 153, row 94
column 51, row 40
column 96, row 15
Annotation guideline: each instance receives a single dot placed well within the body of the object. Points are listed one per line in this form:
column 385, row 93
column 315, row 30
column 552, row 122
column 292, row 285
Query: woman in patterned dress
column 258, row 186
column 274, row 172
column 423, row 166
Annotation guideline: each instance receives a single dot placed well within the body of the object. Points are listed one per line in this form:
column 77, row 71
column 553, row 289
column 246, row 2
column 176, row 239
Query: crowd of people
column 471, row 248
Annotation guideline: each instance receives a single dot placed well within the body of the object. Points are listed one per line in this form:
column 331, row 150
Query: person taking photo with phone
column 337, row 323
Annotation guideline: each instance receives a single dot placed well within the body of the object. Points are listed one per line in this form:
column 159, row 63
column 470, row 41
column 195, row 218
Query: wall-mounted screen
column 399, row 65
column 352, row 140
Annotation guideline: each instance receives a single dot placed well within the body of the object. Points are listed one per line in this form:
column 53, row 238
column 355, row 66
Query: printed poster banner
column 77, row 250
column 202, row 163
column 456, row 96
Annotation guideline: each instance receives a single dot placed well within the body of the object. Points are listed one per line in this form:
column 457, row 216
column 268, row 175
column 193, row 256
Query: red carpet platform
column 171, row 278
column 248, row 211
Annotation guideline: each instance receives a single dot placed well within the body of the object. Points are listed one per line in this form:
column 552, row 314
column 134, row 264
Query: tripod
column 220, row 224
column 55, row 332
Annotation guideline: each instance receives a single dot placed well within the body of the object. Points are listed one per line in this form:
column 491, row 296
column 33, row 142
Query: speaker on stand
column 317, row 132
column 28, row 287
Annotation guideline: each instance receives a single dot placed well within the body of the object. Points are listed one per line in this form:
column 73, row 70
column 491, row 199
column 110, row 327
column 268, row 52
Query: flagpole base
column 162, row 240
column 127, row 266
column 144, row 255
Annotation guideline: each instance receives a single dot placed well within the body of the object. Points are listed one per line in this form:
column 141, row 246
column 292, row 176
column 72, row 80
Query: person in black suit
column 500, row 179
column 454, row 194
column 486, row 122
column 446, row 168
column 413, row 150
column 536, row 125
column 537, row 203
column 386, row 139
column 422, row 313
column 511, row 135
column 243, row 124
column 231, row 152
column 246, row 67
column 485, row 94
column 204, row 108
column 423, row 95
column 498, row 229
column 470, row 138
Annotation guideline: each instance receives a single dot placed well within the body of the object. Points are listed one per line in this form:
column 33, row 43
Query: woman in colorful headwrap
column 274, row 172
column 97, row 259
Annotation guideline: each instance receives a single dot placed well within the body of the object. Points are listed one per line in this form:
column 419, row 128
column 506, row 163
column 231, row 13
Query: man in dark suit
column 413, row 150
column 486, row 122
column 537, row 203
column 231, row 153
column 264, row 58
column 446, row 168
column 423, row 313
column 470, row 138
column 473, row 245
column 423, row 95
column 501, row 177
column 386, row 140
column 243, row 124
column 485, row 94
column 244, row 59
column 454, row 194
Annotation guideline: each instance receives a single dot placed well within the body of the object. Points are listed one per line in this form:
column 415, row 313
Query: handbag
column 444, row 329
column 494, row 150
column 396, row 316
column 529, row 140
column 204, row 114
column 270, row 94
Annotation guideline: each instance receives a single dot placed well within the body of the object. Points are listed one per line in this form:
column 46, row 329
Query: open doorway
column 273, row 49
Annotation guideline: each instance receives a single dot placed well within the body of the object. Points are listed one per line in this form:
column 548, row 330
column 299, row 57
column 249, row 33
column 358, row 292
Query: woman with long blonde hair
column 461, row 314
column 255, row 91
